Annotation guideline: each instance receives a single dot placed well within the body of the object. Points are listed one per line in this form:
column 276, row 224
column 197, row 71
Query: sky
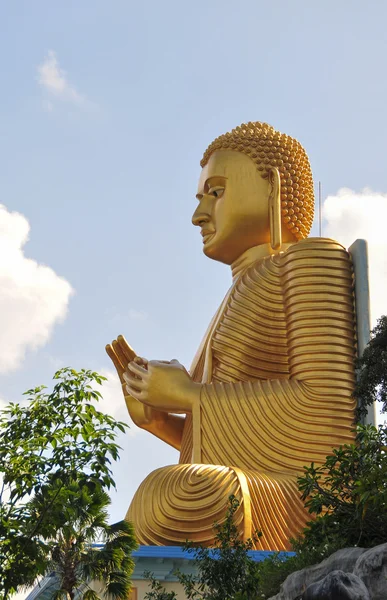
column 105, row 111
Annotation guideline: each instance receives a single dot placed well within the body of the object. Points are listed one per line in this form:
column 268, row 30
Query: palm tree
column 81, row 547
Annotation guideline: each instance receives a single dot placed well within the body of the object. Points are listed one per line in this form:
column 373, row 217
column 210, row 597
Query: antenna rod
column 319, row 209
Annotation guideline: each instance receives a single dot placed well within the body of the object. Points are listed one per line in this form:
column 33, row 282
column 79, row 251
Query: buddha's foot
column 182, row 502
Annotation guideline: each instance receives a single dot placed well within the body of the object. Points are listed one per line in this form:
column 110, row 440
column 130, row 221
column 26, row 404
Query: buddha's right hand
column 121, row 354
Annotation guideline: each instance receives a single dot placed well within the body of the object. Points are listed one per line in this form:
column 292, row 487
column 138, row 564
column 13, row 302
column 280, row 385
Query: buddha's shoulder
column 315, row 243
column 323, row 253
column 315, row 248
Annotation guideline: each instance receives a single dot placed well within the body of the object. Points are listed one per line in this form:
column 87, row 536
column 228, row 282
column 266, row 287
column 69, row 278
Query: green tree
column 78, row 519
column 226, row 569
column 348, row 494
column 45, row 444
column 372, row 369
column 157, row 591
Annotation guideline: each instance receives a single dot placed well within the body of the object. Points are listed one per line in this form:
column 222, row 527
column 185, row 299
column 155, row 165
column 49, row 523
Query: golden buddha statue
column 270, row 387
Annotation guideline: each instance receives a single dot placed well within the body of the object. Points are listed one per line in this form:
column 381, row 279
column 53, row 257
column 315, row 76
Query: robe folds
column 277, row 373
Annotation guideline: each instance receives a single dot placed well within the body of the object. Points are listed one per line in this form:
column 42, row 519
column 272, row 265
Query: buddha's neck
column 252, row 255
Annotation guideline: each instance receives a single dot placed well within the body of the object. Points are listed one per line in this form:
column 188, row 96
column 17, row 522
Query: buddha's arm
column 167, row 427
column 272, row 425
column 317, row 281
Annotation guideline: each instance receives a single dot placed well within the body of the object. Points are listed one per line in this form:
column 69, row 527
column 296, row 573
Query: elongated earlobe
column 275, row 209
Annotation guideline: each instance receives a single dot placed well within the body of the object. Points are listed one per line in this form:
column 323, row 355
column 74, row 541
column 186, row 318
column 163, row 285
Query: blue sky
column 105, row 111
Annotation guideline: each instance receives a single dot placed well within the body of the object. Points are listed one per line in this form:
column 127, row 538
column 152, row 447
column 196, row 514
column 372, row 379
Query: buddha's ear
column 275, row 209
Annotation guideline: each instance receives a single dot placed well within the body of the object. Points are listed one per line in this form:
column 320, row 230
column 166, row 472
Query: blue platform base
column 163, row 561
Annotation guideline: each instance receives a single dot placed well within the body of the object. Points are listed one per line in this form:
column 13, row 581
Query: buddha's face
column 233, row 209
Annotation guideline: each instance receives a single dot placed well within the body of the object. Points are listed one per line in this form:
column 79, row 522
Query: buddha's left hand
column 164, row 386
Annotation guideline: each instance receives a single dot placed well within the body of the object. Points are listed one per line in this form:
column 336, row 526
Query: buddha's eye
column 216, row 191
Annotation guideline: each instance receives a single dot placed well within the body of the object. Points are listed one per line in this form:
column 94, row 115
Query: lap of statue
column 182, row 502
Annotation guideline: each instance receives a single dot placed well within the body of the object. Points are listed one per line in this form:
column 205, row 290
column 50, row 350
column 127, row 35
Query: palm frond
column 81, row 518
column 119, row 588
column 90, row 594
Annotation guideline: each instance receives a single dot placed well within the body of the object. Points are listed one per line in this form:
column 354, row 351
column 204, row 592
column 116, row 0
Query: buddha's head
column 256, row 187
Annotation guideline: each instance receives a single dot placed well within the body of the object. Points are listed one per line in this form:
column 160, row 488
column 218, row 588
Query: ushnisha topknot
column 269, row 148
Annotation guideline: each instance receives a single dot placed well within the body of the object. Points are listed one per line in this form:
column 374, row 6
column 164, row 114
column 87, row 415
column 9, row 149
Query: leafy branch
column 51, row 440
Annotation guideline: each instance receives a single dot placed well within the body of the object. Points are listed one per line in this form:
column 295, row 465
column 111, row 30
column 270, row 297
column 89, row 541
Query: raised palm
column 121, row 354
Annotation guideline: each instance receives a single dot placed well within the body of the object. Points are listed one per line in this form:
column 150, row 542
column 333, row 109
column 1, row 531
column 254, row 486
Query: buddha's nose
column 201, row 214
column 199, row 217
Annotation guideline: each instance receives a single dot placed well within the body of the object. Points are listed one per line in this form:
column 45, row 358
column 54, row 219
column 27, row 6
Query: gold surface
column 270, row 386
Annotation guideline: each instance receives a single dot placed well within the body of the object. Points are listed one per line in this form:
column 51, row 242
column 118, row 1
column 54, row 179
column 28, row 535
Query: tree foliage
column 79, row 519
column 348, row 494
column 226, row 569
column 157, row 590
column 47, row 443
column 372, row 370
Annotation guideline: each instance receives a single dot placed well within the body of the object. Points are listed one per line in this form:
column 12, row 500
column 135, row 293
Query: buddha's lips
column 207, row 235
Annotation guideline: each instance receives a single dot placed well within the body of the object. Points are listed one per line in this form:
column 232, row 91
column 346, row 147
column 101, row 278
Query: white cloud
column 351, row 215
column 33, row 298
column 54, row 81
column 113, row 401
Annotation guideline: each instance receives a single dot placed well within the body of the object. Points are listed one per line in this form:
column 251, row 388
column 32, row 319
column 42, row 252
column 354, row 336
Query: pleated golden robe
column 277, row 368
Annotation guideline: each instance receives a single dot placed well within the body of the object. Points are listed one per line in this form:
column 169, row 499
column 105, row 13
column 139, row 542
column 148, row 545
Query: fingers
column 120, row 353
column 134, row 382
column 160, row 362
column 127, row 350
column 141, row 361
column 140, row 395
column 174, row 361
column 115, row 360
column 137, row 369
